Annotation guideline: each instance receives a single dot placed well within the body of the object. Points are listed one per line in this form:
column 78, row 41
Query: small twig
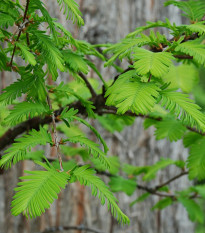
column 56, row 141
column 184, row 57
column 117, row 76
column 150, row 76
column 171, row 180
column 154, row 192
column 20, row 30
column 94, row 95
column 68, row 228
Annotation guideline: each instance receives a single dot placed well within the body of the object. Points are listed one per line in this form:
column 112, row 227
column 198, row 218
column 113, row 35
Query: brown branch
column 8, row 137
column 150, row 76
column 68, row 228
column 171, row 180
column 184, row 57
column 94, row 95
column 20, row 31
column 154, row 192
column 56, row 140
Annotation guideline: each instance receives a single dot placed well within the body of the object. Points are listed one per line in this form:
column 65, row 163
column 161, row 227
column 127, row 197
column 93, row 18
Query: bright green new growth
column 152, row 87
column 129, row 93
column 38, row 191
column 86, row 177
column 22, row 145
column 156, row 64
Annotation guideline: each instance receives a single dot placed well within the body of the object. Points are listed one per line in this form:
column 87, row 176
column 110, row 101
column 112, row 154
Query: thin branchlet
column 56, row 140
column 21, row 27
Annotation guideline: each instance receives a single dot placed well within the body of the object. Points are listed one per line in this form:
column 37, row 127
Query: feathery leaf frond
column 196, row 160
column 24, row 110
column 49, row 53
column 183, row 107
column 169, row 128
column 193, row 9
column 93, row 148
column 183, row 76
column 194, row 210
column 161, row 164
column 197, row 27
column 86, row 177
column 32, row 84
column 75, row 62
column 6, row 20
column 19, row 149
column 149, row 62
column 71, row 9
column 129, row 93
column 28, row 56
column 70, row 115
column 38, row 191
column 124, row 48
column 193, row 48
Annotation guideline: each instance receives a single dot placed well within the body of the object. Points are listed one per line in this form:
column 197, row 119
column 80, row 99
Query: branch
column 20, row 31
column 184, row 57
column 56, row 140
column 68, row 228
column 154, row 192
column 94, row 95
column 34, row 123
column 171, row 180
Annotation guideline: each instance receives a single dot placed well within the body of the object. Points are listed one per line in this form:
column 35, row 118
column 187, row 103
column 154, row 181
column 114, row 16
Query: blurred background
column 107, row 21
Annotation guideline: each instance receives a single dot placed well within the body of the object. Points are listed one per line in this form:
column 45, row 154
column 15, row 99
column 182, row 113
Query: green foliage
column 92, row 146
column 24, row 110
column 197, row 27
column 161, row 164
column 70, row 116
column 124, row 48
column 129, row 93
column 184, row 77
column 143, row 197
column 196, row 160
column 39, row 190
column 114, row 123
column 193, row 209
column 151, row 87
column 26, row 54
column 147, row 62
column 32, row 85
column 22, row 145
column 169, row 128
column 48, row 52
column 193, row 48
column 183, row 107
column 163, row 203
column 119, row 184
column 86, row 177
column 75, row 62
column 71, row 10
column 6, row 20
column 194, row 10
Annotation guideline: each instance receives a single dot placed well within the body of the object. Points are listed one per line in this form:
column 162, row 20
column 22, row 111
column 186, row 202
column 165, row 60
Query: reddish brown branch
column 8, row 137
column 94, row 95
column 184, row 57
column 20, row 30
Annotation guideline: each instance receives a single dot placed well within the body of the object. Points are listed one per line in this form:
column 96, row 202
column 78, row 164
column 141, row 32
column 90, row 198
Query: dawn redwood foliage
column 157, row 85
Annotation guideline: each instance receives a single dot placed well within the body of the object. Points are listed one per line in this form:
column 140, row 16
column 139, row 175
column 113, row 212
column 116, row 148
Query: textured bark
column 109, row 21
